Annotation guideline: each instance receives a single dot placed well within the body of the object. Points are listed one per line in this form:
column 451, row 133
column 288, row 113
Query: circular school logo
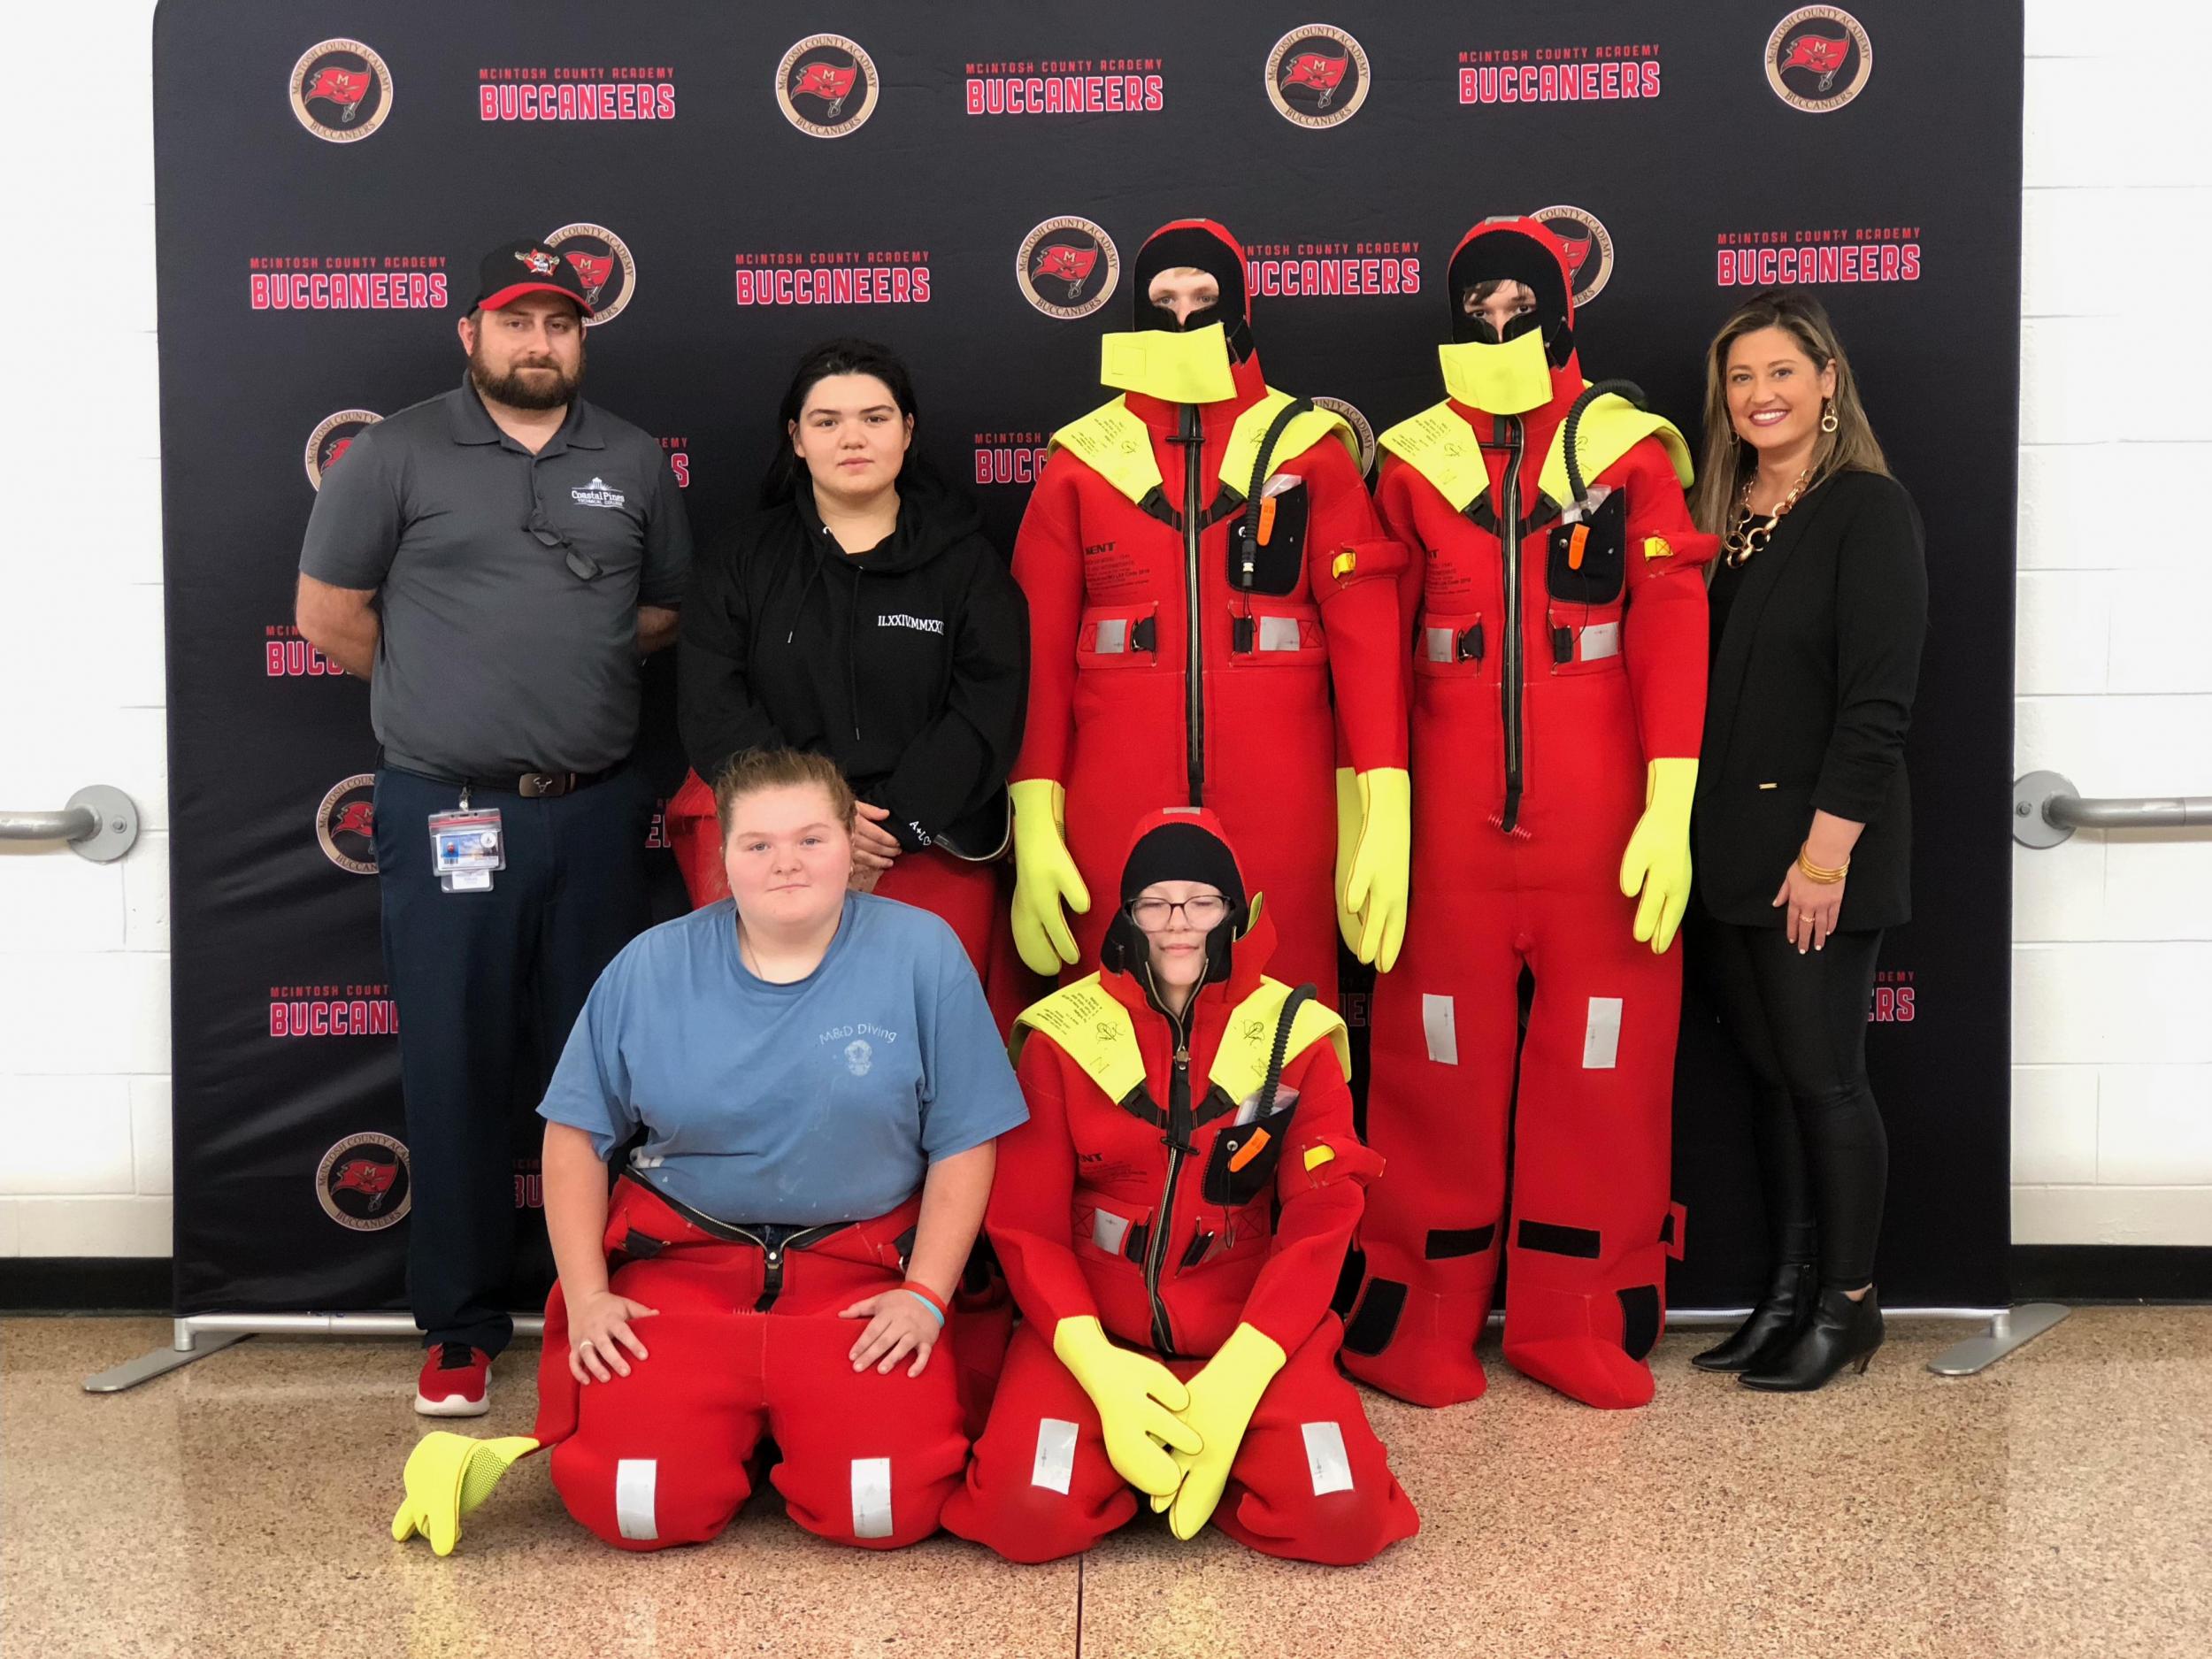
column 1362, row 428
column 329, row 442
column 602, row 263
column 1317, row 76
column 1818, row 59
column 362, row 1183
column 345, row 823
column 1067, row 267
column 1589, row 248
column 827, row 86
column 860, row 1059
column 341, row 91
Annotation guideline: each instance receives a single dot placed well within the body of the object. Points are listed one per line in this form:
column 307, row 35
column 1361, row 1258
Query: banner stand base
column 2009, row 1329
column 201, row 1334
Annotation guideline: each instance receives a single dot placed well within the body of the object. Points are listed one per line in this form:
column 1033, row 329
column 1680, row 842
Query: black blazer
column 1809, row 697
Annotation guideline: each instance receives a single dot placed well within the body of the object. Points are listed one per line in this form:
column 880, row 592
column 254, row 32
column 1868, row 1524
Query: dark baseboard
column 86, row 1284
column 2111, row 1272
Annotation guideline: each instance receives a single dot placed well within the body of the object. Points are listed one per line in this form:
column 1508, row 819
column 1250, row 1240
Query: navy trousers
column 487, row 986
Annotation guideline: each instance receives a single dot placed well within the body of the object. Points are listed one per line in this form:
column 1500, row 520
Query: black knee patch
column 1639, row 1319
column 1377, row 1320
column 1666, row 1229
column 1447, row 1242
column 1581, row 1242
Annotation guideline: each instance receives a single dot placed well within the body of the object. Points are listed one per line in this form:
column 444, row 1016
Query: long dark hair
column 845, row 356
column 1728, row 459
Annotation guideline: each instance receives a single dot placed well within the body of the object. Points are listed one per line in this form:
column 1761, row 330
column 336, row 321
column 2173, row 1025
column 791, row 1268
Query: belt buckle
column 535, row 785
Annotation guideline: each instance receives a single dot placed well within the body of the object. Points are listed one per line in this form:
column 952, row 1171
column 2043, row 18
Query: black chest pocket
column 1587, row 563
column 1241, row 1166
column 1267, row 543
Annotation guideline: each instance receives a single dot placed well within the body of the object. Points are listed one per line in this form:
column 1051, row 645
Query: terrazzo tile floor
column 2060, row 1504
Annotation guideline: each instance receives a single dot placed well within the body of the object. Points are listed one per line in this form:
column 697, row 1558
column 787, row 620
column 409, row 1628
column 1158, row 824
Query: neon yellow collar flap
column 1608, row 429
column 1442, row 447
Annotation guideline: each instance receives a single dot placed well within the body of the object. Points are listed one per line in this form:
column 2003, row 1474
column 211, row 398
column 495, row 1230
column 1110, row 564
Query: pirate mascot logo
column 1067, row 267
column 827, row 86
column 341, row 91
column 1317, row 76
column 602, row 264
column 332, row 436
column 1818, row 59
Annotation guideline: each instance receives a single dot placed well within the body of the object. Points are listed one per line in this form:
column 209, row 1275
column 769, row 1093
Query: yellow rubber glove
column 1045, row 877
column 1223, row 1398
column 448, row 1476
column 1348, row 816
column 1657, row 860
column 1137, row 1398
column 1376, row 869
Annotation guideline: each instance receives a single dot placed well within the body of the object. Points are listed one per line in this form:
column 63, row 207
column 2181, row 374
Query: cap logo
column 540, row 262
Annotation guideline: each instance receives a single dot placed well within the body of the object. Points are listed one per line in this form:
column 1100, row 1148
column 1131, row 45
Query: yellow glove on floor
column 1137, row 1399
column 448, row 1476
column 1045, row 877
column 1223, row 1398
column 1657, row 860
column 1377, row 870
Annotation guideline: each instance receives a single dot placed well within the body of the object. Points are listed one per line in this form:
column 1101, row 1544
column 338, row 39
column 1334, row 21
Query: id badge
column 465, row 848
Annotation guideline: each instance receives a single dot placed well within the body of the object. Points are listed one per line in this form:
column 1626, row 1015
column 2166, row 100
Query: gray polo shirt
column 497, row 658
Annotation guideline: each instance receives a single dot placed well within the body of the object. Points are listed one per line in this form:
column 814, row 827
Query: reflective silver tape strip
column 1279, row 633
column 1108, row 1230
column 1325, row 1461
column 1053, row 1466
column 635, row 1480
column 1602, row 1035
column 1112, row 636
column 1443, row 644
column 1440, row 1026
column 1599, row 641
column 871, row 1497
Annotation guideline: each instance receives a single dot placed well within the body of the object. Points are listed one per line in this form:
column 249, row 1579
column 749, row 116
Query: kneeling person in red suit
column 1172, row 1218
column 819, row 1086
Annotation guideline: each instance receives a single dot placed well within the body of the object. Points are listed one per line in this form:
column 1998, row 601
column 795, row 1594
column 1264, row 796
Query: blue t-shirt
column 821, row 1101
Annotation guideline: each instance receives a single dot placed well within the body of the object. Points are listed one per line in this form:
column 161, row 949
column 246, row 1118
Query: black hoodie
column 907, row 664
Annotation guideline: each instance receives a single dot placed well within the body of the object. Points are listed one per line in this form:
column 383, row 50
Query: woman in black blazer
column 1803, row 821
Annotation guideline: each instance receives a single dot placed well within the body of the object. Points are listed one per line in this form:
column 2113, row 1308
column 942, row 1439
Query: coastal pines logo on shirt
column 1317, row 76
column 342, row 90
column 827, row 86
column 1067, row 267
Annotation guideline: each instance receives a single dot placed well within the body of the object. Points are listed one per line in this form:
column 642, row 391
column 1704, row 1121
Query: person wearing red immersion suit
column 1203, row 567
column 1558, row 673
column 1172, row 1218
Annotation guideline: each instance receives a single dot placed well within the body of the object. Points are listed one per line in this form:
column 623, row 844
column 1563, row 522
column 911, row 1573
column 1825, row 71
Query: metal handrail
column 100, row 823
column 2047, row 811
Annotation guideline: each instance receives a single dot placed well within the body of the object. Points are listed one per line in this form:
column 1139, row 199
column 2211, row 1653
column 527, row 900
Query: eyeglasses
column 584, row 567
column 1155, row 916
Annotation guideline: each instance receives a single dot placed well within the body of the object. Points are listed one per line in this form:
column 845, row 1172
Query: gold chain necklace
column 1743, row 538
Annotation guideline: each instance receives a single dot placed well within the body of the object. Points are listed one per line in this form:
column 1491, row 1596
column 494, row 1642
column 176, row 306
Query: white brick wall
column 2112, row 934
column 2112, row 1117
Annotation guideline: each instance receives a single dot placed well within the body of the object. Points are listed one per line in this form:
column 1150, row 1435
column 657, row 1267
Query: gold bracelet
column 1819, row 875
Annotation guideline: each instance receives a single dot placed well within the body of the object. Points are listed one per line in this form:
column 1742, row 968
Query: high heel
column 1774, row 1323
column 1841, row 1332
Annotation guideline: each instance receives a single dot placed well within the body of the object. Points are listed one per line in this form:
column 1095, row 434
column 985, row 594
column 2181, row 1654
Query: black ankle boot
column 1774, row 1323
column 1840, row 1333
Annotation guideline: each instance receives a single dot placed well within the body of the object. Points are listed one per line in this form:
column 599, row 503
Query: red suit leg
column 1440, row 1097
column 1039, row 1486
column 695, row 834
column 963, row 895
column 658, row 1457
column 1310, row 1481
column 1586, row 1278
column 868, row 1459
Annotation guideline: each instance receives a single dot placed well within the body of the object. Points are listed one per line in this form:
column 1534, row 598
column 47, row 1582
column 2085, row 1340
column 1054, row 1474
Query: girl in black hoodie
column 860, row 614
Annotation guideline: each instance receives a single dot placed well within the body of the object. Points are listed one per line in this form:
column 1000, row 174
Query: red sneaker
column 453, row 1381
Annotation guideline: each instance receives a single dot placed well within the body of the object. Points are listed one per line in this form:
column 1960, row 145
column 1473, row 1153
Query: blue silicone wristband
column 925, row 1302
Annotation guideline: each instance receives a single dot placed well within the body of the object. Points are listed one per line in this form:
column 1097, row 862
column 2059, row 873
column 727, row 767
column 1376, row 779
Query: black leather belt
column 535, row 785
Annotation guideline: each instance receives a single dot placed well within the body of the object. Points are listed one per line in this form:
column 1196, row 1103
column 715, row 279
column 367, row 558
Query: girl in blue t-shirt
column 814, row 1086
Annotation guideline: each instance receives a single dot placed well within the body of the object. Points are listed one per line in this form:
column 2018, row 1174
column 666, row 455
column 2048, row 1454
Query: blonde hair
column 1728, row 461
column 758, row 769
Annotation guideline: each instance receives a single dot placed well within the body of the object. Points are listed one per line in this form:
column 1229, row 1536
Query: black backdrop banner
column 967, row 184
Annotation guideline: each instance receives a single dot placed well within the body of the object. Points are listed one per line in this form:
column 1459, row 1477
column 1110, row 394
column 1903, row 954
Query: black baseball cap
column 516, row 268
